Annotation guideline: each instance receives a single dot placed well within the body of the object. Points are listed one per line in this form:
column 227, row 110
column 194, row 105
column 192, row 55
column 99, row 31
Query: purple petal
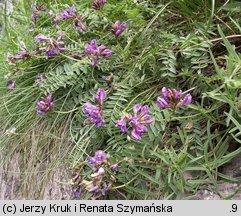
column 136, row 108
column 100, row 96
column 140, row 128
column 115, row 167
column 11, row 84
column 144, row 110
column 162, row 103
column 52, row 52
column 135, row 135
column 41, row 77
column 100, row 156
column 123, row 26
column 93, row 43
column 105, row 188
column 177, row 94
column 187, row 99
column 121, row 124
column 91, row 161
column 165, row 92
column 60, row 36
column 49, row 99
column 95, row 61
column 41, row 104
column 41, row 112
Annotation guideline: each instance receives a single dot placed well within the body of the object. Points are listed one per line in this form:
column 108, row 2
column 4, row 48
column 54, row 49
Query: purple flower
column 187, row 100
column 40, row 77
column 143, row 116
column 91, row 161
column 94, row 114
column 45, row 105
column 42, row 38
column 69, row 13
column 52, row 52
column 77, row 192
column 104, row 51
column 100, row 96
column 11, row 84
column 166, row 92
column 51, row 46
column 34, row 17
column 60, row 37
column 21, row 55
column 138, row 130
column 136, row 122
column 105, row 188
column 91, row 47
column 95, row 190
column 100, row 156
column 115, row 167
column 118, row 28
column 135, row 135
column 122, row 124
column 98, row 4
column 57, row 20
column 79, row 24
column 162, row 103
column 72, row 15
column 94, row 52
column 172, row 99
column 36, row 9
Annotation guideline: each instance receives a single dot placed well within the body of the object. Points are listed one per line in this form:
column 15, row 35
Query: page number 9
column 234, row 208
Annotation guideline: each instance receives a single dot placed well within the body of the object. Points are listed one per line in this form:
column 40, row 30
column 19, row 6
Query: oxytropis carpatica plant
column 94, row 113
column 135, row 123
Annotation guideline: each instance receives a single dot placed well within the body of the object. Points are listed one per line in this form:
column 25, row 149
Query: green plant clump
column 135, row 99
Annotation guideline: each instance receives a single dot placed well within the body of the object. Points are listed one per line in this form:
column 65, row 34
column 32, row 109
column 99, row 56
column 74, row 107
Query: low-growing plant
column 150, row 88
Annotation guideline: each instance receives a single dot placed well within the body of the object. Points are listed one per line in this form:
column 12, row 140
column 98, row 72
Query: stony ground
column 55, row 188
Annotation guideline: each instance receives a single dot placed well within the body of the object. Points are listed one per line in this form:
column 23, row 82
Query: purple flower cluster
column 94, row 52
column 21, row 55
column 172, row 99
column 36, row 9
column 95, row 113
column 136, row 123
column 99, row 158
column 45, row 105
column 11, row 84
column 98, row 4
column 71, row 14
column 51, row 46
column 98, row 185
column 118, row 28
